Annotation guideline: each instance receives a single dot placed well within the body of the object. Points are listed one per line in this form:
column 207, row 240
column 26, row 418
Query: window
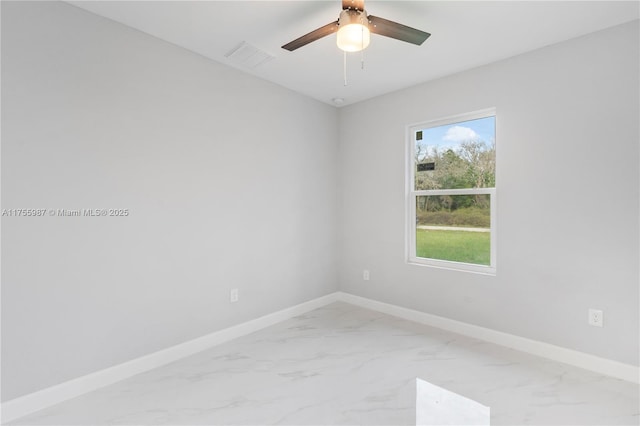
column 451, row 193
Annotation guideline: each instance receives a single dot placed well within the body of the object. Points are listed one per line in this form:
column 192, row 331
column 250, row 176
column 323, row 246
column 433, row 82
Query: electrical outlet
column 234, row 295
column 365, row 275
column 596, row 317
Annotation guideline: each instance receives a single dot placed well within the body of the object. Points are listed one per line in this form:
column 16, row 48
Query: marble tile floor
column 345, row 365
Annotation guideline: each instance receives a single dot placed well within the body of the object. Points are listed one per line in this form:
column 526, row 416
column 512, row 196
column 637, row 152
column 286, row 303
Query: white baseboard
column 39, row 400
column 30, row 403
column 603, row 366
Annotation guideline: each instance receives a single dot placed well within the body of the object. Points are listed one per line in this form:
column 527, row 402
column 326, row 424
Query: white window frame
column 412, row 195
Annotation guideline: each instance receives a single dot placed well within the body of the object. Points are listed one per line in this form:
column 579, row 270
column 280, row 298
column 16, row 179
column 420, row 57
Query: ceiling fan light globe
column 353, row 37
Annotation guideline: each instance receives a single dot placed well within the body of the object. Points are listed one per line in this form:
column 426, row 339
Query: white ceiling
column 465, row 34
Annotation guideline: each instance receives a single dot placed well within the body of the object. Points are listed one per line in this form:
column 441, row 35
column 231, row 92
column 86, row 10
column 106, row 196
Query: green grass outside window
column 456, row 246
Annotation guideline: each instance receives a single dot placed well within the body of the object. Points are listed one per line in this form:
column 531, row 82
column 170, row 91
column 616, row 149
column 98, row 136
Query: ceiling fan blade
column 312, row 36
column 398, row 31
column 353, row 5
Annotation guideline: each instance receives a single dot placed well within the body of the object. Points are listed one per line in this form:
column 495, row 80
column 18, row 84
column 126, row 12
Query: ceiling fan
column 354, row 27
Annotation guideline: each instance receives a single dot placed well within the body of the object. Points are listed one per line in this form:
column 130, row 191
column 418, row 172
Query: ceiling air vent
column 248, row 56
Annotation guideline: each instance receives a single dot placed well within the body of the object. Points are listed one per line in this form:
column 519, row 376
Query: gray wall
column 567, row 184
column 224, row 187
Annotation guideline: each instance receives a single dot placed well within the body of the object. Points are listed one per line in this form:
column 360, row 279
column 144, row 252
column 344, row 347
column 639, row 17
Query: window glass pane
column 454, row 228
column 455, row 156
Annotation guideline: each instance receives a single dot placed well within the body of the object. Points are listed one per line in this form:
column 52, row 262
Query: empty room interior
column 320, row 212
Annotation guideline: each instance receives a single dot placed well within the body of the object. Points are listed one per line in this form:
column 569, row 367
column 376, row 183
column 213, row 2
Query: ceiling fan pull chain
column 344, row 67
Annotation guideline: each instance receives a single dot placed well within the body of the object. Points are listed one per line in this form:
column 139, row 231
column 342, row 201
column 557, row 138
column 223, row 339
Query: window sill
column 453, row 266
